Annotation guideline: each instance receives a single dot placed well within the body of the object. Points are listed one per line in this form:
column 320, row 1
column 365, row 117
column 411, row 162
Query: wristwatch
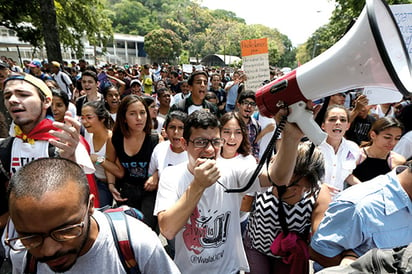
column 100, row 160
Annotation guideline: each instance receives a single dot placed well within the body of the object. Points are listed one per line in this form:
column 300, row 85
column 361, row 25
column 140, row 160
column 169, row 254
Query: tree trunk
column 50, row 31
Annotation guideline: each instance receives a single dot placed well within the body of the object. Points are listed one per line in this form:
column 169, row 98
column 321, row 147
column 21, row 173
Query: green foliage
column 75, row 19
column 132, row 17
column 163, row 45
column 227, row 16
column 342, row 18
column 202, row 31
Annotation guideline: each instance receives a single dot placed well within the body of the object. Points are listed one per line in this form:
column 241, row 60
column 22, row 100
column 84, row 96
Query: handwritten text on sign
column 255, row 62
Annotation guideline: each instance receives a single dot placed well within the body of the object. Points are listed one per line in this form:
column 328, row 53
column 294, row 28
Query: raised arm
column 282, row 165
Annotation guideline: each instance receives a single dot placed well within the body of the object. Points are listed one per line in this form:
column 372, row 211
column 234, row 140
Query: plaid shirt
column 253, row 129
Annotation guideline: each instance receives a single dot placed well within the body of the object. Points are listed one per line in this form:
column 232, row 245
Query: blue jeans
column 105, row 196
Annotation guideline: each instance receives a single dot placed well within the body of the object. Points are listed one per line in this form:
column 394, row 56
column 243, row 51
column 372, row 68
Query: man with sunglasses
column 55, row 222
column 193, row 206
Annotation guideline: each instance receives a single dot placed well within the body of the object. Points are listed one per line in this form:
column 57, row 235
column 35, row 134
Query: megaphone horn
column 371, row 55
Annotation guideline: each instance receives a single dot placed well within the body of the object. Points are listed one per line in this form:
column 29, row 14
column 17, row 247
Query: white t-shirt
column 64, row 82
column 193, row 108
column 113, row 115
column 22, row 153
column 160, row 122
column 379, row 112
column 210, row 242
column 248, row 160
column 103, row 257
column 340, row 165
column 163, row 156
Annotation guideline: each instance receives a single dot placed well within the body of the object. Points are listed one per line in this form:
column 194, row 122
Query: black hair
column 194, row 74
column 101, row 112
column 91, row 74
column 55, row 174
column 178, row 115
column 246, row 94
column 200, row 119
column 62, row 95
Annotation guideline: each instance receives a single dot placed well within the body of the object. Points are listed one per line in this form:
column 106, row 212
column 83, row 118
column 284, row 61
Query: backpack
column 121, row 235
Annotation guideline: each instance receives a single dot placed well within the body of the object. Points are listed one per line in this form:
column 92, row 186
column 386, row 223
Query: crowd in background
column 133, row 122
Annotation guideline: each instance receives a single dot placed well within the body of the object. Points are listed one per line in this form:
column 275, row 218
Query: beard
column 24, row 122
column 73, row 251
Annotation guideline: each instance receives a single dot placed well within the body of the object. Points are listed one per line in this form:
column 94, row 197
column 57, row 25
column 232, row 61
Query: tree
column 163, row 45
column 50, row 31
column 35, row 23
column 226, row 15
column 132, row 17
column 202, row 31
column 288, row 58
column 342, row 18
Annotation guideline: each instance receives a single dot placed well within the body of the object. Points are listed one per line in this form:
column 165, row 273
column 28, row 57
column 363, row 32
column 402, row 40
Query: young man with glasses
column 193, row 207
column 52, row 218
column 246, row 104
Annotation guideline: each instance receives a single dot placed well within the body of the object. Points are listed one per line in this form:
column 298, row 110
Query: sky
column 298, row 19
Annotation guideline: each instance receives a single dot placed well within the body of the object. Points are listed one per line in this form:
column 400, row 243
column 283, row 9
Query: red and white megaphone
column 371, row 55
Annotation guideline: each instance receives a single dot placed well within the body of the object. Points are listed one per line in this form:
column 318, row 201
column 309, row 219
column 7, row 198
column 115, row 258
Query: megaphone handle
column 304, row 119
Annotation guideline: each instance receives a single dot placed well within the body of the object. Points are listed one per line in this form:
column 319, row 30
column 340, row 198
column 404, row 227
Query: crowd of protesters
column 171, row 142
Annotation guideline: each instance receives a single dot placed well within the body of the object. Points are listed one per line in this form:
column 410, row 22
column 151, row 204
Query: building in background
column 125, row 49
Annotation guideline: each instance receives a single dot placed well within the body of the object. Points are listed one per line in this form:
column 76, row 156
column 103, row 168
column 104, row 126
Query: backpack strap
column 121, row 235
column 5, row 157
column 31, row 264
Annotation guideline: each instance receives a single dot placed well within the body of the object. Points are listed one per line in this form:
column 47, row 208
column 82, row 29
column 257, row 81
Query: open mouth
column 16, row 110
column 209, row 158
column 337, row 130
column 231, row 144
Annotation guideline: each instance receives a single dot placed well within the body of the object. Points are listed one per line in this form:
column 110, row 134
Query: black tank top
column 136, row 166
column 371, row 167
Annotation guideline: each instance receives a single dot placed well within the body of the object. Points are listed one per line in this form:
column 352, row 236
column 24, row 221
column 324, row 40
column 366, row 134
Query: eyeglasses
column 248, row 103
column 203, row 142
column 32, row 241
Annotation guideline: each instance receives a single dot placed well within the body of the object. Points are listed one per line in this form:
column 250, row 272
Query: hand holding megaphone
column 303, row 117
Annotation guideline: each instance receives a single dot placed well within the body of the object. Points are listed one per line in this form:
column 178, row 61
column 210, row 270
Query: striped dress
column 264, row 225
